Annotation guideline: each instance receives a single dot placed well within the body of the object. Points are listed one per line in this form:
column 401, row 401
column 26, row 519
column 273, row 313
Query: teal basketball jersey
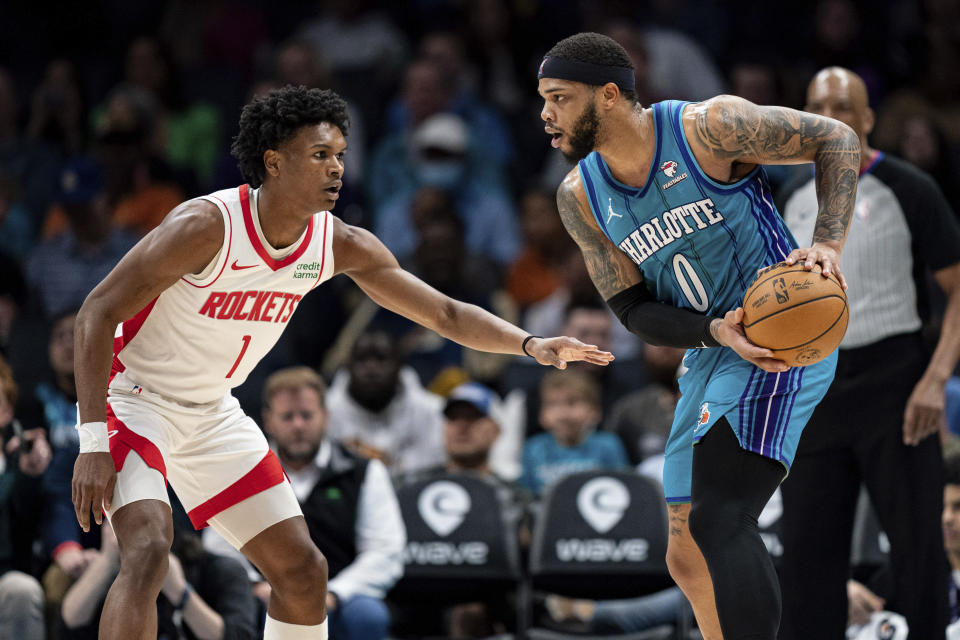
column 697, row 242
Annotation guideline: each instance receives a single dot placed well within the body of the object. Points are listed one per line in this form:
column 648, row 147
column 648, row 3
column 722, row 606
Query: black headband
column 586, row 72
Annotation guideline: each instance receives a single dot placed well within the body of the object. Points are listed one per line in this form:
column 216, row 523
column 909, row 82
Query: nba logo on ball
column 800, row 315
column 669, row 167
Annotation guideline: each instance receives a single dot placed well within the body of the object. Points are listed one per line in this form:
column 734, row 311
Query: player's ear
column 271, row 160
column 609, row 94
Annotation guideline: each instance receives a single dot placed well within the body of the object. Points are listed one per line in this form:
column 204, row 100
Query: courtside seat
column 462, row 543
column 602, row 535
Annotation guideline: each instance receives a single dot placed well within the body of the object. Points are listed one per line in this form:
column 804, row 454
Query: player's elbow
column 842, row 139
column 445, row 317
column 95, row 312
column 850, row 136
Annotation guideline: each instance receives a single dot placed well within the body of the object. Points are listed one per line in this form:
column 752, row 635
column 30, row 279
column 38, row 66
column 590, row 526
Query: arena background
column 113, row 112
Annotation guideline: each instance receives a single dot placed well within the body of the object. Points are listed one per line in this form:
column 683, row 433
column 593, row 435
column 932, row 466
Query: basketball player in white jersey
column 186, row 315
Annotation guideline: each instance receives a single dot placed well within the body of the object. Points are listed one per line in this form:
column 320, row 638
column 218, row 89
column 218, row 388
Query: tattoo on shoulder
column 736, row 129
column 607, row 270
column 731, row 129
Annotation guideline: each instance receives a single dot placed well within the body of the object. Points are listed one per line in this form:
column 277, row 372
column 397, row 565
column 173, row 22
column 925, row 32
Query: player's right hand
column 730, row 333
column 94, row 477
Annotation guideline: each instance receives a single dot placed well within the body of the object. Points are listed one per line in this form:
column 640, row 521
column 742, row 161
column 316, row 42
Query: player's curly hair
column 275, row 118
column 594, row 48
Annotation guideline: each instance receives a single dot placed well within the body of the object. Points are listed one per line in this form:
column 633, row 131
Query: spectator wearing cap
column 64, row 268
column 440, row 157
column 347, row 500
column 470, row 432
column 439, row 153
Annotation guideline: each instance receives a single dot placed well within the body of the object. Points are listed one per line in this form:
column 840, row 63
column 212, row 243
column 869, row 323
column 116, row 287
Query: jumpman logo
column 611, row 211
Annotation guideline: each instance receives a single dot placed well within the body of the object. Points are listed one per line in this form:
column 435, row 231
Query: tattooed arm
column 609, row 268
column 729, row 135
column 620, row 283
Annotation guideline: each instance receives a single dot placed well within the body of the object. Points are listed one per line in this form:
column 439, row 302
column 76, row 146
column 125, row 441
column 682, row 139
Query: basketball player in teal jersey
column 674, row 217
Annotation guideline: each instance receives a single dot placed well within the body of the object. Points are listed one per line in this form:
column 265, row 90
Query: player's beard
column 583, row 135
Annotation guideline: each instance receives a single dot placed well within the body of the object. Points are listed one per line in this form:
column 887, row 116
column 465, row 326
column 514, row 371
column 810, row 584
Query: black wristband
column 523, row 345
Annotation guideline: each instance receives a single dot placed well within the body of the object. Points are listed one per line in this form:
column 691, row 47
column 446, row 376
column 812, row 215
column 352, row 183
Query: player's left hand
column 559, row 351
column 925, row 412
column 827, row 256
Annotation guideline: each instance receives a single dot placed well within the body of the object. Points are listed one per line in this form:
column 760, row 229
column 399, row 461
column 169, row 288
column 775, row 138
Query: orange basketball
column 798, row 314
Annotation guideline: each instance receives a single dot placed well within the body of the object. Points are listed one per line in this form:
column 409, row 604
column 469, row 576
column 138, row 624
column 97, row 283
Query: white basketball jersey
column 205, row 334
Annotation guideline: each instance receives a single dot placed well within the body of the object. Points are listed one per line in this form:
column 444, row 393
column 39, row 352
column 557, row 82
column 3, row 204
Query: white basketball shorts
column 215, row 457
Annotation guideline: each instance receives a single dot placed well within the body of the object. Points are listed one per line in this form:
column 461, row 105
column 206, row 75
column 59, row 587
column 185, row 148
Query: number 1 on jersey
column 243, row 350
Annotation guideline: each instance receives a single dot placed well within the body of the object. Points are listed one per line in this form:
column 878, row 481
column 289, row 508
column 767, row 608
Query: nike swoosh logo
column 237, row 267
column 112, row 433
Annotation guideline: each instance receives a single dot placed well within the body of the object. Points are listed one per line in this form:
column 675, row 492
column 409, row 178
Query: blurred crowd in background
column 112, row 113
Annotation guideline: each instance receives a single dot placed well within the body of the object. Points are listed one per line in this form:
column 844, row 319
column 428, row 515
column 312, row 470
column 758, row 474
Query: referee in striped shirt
column 878, row 423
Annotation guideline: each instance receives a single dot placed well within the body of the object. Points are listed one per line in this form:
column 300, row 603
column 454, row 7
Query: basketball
column 798, row 314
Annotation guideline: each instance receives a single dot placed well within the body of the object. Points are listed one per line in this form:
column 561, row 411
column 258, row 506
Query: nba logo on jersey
column 669, row 168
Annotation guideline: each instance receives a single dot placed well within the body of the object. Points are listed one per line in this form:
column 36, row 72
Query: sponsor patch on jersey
column 669, row 169
column 307, row 270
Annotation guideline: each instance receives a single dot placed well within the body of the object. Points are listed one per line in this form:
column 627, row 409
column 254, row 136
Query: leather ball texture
column 798, row 314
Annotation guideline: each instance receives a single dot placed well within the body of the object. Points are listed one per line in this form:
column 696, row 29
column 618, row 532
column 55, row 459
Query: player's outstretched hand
column 558, row 352
column 93, row 479
column 730, row 333
column 820, row 253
